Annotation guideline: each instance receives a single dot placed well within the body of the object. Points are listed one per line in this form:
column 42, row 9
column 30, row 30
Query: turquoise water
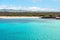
column 29, row 29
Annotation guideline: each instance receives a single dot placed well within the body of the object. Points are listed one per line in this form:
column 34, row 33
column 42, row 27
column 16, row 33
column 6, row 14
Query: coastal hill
column 11, row 12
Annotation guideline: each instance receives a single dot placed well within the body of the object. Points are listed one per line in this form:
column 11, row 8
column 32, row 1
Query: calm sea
column 29, row 29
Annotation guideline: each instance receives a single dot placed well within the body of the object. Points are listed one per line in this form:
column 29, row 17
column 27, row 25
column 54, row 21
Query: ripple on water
column 29, row 29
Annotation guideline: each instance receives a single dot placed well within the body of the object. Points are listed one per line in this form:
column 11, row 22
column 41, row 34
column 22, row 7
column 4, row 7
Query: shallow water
column 29, row 29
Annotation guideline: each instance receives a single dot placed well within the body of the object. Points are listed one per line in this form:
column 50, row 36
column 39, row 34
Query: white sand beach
column 15, row 17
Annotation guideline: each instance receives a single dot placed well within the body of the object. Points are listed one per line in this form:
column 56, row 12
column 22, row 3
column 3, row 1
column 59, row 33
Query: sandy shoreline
column 13, row 17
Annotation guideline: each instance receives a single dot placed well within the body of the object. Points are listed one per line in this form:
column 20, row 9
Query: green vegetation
column 44, row 14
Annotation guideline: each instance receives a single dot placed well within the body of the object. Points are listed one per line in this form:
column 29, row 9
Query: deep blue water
column 29, row 29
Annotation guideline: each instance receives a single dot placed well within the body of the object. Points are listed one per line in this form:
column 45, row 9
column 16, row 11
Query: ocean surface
column 29, row 29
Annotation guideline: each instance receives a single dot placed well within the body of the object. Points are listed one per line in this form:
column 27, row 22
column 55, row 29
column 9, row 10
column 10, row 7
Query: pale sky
column 49, row 5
